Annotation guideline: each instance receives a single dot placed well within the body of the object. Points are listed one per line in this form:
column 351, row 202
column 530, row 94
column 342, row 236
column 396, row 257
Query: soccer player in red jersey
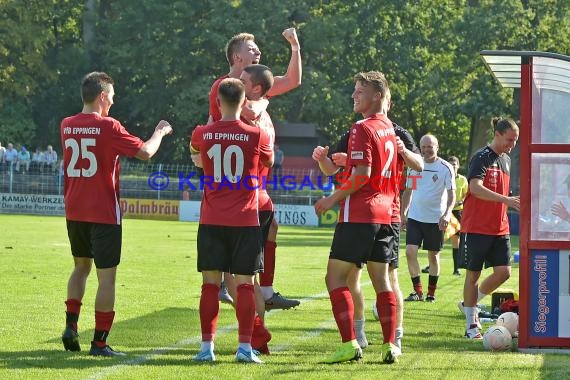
column 242, row 51
column 484, row 224
column 364, row 232
column 93, row 143
column 408, row 154
column 229, row 235
column 258, row 80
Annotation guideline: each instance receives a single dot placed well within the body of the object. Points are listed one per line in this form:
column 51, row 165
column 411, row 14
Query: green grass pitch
column 157, row 321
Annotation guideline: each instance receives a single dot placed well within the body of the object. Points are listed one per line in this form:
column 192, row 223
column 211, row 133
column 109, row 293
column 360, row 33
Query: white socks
column 360, row 333
column 267, row 292
column 207, row 345
column 399, row 335
column 470, row 316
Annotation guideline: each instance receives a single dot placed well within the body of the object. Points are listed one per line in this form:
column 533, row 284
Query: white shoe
column 244, row 356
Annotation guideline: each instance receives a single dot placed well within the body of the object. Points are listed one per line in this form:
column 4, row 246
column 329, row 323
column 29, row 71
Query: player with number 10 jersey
column 92, row 145
column 231, row 154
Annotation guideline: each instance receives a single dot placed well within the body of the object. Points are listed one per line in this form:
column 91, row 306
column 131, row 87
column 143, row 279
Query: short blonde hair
column 235, row 43
column 376, row 79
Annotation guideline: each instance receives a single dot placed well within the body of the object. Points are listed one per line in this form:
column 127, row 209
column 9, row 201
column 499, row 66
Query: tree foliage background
column 164, row 55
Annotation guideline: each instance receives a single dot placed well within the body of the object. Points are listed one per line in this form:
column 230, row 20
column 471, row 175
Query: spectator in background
column 279, row 157
column 50, row 159
column 37, row 161
column 461, row 186
column 2, row 150
column 10, row 157
column 23, row 160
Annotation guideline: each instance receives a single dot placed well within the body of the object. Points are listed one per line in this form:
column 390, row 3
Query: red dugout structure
column 544, row 294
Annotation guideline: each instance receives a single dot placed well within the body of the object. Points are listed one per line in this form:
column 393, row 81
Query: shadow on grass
column 555, row 367
column 136, row 333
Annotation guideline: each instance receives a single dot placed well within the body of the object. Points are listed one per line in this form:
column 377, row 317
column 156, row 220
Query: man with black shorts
column 364, row 233
column 258, row 80
column 242, row 51
column 93, row 143
column 408, row 154
column 229, row 235
column 484, row 224
column 460, row 193
column 430, row 197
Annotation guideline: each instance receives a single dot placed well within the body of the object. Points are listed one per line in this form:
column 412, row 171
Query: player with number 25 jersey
column 92, row 145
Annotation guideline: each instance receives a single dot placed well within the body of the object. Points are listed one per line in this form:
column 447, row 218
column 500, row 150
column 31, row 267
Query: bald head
column 429, row 147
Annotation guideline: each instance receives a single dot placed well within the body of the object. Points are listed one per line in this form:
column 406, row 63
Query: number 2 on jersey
column 388, row 147
column 83, row 153
column 224, row 162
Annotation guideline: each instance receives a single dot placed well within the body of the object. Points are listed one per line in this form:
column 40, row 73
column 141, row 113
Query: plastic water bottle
column 487, row 320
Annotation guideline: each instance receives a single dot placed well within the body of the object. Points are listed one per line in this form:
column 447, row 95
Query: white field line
column 197, row 339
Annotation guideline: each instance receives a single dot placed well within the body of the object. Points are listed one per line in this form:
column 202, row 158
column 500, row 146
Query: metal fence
column 146, row 180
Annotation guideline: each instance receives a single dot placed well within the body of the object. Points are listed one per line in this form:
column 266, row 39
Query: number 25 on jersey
column 81, row 151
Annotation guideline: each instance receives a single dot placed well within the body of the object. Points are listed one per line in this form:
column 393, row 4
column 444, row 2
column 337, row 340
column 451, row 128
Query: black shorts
column 100, row 242
column 479, row 249
column 361, row 242
column 265, row 220
column 428, row 233
column 457, row 214
column 395, row 262
column 236, row 250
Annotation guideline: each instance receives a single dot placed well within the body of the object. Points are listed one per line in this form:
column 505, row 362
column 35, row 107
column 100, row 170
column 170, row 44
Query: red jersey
column 215, row 112
column 486, row 217
column 92, row 145
column 265, row 202
column 231, row 152
column 410, row 144
column 372, row 143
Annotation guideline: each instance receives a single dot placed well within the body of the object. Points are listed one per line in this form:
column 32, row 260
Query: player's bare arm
column 444, row 220
column 406, row 200
column 339, row 159
column 151, row 146
column 252, row 109
column 354, row 184
column 411, row 159
column 478, row 190
column 320, row 154
column 292, row 78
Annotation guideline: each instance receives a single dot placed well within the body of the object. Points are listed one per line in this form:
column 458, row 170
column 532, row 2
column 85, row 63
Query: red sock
column 343, row 310
column 266, row 278
column 73, row 308
column 417, row 283
column 260, row 335
column 418, row 288
column 432, row 285
column 209, row 310
column 103, row 324
column 245, row 312
column 386, row 306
